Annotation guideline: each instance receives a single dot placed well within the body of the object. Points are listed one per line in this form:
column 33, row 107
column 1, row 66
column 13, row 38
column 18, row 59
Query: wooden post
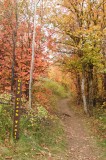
column 17, row 110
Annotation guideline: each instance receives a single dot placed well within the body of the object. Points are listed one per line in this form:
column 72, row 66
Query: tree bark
column 83, row 91
column 78, row 88
column 90, row 89
column 95, row 88
column 33, row 57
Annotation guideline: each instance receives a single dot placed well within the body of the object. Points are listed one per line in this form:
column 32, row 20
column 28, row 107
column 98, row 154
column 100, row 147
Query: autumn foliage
column 16, row 46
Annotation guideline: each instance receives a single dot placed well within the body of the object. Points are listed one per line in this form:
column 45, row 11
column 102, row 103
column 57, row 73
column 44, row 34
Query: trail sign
column 17, row 110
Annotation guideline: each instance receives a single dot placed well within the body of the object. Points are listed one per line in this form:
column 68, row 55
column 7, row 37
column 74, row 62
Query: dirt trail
column 82, row 146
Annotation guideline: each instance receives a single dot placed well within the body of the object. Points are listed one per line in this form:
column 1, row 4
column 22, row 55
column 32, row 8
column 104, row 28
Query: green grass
column 99, row 125
column 56, row 88
column 39, row 136
column 49, row 140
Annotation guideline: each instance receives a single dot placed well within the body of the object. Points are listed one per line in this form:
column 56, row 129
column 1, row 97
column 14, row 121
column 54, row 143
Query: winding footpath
column 81, row 145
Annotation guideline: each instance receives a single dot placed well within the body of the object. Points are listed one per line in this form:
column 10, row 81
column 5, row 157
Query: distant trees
column 83, row 26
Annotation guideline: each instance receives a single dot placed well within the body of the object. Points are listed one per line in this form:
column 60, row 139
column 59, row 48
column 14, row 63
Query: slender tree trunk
column 90, row 89
column 78, row 88
column 105, row 82
column 95, row 88
column 33, row 57
column 87, row 87
column 104, row 75
column 83, row 92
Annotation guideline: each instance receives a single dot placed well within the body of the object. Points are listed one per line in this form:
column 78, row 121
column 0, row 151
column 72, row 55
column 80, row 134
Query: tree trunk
column 83, row 92
column 87, row 87
column 78, row 88
column 105, row 82
column 90, row 89
column 32, row 59
column 95, row 88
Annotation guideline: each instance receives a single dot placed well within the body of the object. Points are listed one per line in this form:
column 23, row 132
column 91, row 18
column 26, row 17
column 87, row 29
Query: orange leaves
column 43, row 97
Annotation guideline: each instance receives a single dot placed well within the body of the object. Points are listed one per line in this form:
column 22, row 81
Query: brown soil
column 81, row 144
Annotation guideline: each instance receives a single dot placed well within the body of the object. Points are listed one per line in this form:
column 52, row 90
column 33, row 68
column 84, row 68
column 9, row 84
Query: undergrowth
column 41, row 133
column 100, row 124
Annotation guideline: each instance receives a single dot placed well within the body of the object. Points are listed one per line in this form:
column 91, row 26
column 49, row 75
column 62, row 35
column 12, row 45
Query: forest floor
column 82, row 145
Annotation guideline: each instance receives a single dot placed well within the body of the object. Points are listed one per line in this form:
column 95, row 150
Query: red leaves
column 22, row 40
column 22, row 59
column 43, row 98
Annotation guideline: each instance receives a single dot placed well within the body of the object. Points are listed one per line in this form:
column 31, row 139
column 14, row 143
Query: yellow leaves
column 66, row 3
column 63, row 19
column 104, row 31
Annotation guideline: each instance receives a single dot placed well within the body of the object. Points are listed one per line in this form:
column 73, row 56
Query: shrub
column 5, row 122
column 42, row 126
